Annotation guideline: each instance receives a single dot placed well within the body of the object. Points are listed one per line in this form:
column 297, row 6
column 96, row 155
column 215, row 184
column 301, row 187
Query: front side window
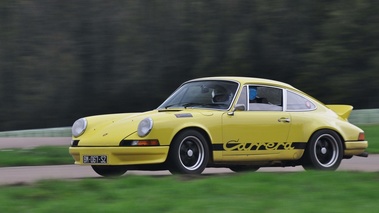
column 202, row 94
column 261, row 98
column 296, row 102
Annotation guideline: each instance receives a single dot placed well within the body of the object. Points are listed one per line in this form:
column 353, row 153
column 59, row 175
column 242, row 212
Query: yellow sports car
column 235, row 122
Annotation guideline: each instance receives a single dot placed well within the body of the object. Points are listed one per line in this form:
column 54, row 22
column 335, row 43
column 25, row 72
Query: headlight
column 79, row 127
column 144, row 127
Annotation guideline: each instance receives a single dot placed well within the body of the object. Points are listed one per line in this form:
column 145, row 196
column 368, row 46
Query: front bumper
column 355, row 147
column 122, row 155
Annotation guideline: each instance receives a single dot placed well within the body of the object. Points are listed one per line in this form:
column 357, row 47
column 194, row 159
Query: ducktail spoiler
column 342, row 110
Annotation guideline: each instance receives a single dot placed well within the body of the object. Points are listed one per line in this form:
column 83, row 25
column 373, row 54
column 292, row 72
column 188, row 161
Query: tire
column 244, row 168
column 189, row 153
column 324, row 151
column 109, row 171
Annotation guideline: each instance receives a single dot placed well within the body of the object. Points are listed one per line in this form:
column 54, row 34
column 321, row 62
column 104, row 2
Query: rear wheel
column 324, row 151
column 109, row 170
column 189, row 153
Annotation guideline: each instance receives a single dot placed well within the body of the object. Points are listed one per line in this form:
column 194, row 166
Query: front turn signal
column 146, row 143
column 139, row 143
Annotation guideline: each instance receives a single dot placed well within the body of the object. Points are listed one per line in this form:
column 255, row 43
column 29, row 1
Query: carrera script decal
column 235, row 145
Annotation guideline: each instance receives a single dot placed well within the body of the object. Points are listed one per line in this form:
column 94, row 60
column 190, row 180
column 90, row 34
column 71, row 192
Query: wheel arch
column 329, row 129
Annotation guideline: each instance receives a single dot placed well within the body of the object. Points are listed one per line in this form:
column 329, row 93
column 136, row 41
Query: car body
column 237, row 122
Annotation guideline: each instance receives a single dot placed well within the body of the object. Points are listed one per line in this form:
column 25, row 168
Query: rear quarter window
column 296, row 102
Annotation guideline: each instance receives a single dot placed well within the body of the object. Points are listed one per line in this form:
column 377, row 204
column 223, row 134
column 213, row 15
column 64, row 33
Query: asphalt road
column 29, row 174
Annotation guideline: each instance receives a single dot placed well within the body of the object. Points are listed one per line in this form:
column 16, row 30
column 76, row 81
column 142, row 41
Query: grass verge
column 251, row 192
column 43, row 155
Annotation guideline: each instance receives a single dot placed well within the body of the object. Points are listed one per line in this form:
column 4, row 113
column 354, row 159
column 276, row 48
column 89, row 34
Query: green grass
column 44, row 155
column 252, row 192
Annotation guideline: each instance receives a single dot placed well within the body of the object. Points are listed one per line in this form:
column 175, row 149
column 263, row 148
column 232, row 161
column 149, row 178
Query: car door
column 259, row 128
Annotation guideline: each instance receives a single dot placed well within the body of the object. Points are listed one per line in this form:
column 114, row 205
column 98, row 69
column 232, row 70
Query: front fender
column 166, row 127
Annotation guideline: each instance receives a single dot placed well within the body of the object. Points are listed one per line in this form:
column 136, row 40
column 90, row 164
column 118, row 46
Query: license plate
column 93, row 159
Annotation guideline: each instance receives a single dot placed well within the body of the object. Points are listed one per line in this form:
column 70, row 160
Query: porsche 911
column 239, row 123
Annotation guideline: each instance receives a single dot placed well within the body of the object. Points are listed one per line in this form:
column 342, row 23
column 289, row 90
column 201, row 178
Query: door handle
column 284, row 120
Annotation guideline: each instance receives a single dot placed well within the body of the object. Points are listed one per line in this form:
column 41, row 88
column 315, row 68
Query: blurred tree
column 60, row 60
column 341, row 61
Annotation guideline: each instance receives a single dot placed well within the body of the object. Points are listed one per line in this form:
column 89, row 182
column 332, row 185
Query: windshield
column 202, row 94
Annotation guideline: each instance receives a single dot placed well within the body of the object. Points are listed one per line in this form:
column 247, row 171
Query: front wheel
column 189, row 153
column 324, row 151
column 109, row 170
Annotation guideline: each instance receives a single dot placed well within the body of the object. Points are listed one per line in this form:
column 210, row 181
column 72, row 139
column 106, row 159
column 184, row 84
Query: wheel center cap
column 323, row 150
column 190, row 152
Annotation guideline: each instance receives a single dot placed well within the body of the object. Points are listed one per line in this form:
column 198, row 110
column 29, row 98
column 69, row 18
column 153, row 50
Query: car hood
column 109, row 130
column 106, row 128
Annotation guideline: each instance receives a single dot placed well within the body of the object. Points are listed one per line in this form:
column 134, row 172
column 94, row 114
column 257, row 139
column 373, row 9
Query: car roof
column 248, row 80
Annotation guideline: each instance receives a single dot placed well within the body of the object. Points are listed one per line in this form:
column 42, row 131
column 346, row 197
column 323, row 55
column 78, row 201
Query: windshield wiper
column 185, row 105
column 193, row 104
column 170, row 105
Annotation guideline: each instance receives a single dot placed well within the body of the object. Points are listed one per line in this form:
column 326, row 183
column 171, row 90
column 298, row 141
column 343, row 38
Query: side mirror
column 238, row 107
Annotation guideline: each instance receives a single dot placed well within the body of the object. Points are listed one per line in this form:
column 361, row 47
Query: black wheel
column 324, row 151
column 109, row 171
column 189, row 153
column 244, row 168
